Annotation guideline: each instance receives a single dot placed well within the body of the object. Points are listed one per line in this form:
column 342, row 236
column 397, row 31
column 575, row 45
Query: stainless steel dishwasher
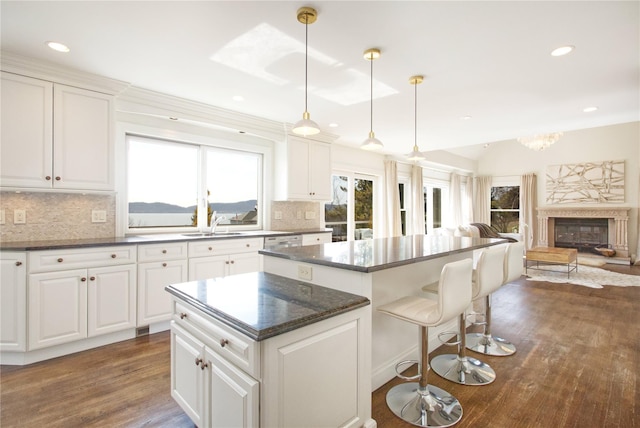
column 277, row 242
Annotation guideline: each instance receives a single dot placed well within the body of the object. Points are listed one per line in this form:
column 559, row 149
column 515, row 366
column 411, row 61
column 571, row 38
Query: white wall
column 616, row 142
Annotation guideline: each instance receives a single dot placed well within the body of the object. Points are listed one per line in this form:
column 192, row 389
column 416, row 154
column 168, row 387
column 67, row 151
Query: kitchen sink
column 209, row 234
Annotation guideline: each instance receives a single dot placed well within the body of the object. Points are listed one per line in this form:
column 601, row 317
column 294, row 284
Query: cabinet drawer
column 44, row 261
column 160, row 252
column 224, row 246
column 238, row 348
column 316, row 238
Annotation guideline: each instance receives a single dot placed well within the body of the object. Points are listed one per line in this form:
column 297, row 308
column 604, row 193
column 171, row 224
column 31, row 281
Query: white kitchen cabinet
column 308, row 170
column 55, row 136
column 158, row 266
column 216, row 258
column 69, row 305
column 316, row 238
column 13, row 301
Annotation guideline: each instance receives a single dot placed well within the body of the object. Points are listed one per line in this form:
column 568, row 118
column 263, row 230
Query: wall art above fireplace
column 590, row 182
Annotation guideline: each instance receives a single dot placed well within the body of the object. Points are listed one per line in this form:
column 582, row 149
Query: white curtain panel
column 482, row 200
column 468, row 196
column 392, row 223
column 528, row 204
column 417, row 201
column 455, row 202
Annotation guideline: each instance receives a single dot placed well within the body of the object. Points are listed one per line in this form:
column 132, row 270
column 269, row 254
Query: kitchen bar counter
column 262, row 305
column 139, row 239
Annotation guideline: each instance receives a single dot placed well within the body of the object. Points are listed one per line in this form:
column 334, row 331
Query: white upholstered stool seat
column 484, row 342
column 419, row 403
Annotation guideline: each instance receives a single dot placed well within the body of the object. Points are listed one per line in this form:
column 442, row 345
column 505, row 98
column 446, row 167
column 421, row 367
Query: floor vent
column 142, row 331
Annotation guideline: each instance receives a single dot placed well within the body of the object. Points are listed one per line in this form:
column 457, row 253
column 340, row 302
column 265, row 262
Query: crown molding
column 25, row 66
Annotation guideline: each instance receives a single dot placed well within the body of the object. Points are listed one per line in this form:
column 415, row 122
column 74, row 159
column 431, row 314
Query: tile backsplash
column 295, row 215
column 56, row 216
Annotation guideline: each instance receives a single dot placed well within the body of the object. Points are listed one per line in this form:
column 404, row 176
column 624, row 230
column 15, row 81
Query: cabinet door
column 298, row 169
column 208, row 267
column 316, row 238
column 111, row 299
column 232, row 396
column 83, row 136
column 244, row 263
column 57, row 308
column 13, row 302
column 26, row 131
column 320, row 171
column 154, row 303
column 187, row 374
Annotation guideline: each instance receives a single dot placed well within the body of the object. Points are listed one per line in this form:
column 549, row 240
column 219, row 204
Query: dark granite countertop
column 60, row 244
column 370, row 255
column 262, row 305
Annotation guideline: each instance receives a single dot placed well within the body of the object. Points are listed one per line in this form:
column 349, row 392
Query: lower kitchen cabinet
column 13, row 289
column 70, row 305
column 212, row 392
column 154, row 303
column 217, row 258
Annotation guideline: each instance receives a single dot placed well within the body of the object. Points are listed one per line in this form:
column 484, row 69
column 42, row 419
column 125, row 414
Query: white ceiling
column 487, row 60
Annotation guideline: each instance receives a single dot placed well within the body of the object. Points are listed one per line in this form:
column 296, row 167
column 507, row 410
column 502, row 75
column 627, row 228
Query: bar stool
column 484, row 342
column 419, row 403
column 459, row 367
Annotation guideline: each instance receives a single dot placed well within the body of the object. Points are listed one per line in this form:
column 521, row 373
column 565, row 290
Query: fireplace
column 601, row 225
column 583, row 234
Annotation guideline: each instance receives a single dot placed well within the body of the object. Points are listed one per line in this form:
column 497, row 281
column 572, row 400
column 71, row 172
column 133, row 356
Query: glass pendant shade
column 416, row 154
column 306, row 126
column 371, row 143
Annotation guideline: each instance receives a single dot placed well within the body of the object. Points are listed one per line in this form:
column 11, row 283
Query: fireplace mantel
column 618, row 217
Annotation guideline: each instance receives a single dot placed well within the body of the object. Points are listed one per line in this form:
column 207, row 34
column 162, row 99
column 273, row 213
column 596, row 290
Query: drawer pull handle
column 83, row 279
column 224, row 342
column 18, row 263
column 164, row 251
column 93, row 278
column 182, row 315
column 164, row 265
column 60, row 260
column 113, row 256
column 198, row 361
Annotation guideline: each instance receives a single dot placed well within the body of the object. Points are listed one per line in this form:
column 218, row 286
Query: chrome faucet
column 215, row 221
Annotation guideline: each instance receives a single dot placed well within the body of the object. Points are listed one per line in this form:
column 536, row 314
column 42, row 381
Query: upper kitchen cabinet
column 308, row 170
column 55, row 136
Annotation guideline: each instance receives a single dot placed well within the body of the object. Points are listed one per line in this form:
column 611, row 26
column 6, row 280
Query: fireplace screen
column 585, row 234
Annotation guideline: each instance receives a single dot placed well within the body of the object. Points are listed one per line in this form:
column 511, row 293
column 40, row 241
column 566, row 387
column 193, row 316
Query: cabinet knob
column 210, row 248
column 224, row 342
column 83, row 279
column 232, row 262
column 204, row 365
column 48, row 178
column 248, row 245
column 164, row 265
column 60, row 260
column 18, row 263
column 182, row 315
column 113, row 256
column 227, row 262
column 92, row 278
column 164, row 251
column 198, row 361
column 58, row 178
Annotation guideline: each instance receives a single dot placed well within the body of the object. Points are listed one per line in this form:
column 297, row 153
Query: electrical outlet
column 278, row 215
column 98, row 216
column 304, row 272
column 2, row 217
column 19, row 216
column 309, row 215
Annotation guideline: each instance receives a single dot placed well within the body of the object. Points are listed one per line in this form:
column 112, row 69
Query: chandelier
column 541, row 141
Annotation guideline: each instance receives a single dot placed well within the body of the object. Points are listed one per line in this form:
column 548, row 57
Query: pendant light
column 416, row 154
column 371, row 143
column 306, row 126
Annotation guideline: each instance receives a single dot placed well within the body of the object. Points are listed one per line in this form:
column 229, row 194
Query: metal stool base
column 437, row 408
column 467, row 371
column 489, row 345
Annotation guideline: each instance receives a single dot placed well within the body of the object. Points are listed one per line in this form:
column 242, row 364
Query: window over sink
column 170, row 183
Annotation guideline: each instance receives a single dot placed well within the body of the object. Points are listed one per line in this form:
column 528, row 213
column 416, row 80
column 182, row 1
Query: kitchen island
column 259, row 349
column 382, row 270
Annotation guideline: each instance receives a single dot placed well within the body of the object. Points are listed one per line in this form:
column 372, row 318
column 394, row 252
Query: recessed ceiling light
column 238, row 98
column 590, row 109
column 57, row 46
column 333, row 125
column 465, row 117
column 562, row 50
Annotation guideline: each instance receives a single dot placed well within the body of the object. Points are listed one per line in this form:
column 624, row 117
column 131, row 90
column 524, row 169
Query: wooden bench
column 552, row 256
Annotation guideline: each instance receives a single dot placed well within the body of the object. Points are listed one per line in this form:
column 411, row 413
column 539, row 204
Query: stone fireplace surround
column 617, row 216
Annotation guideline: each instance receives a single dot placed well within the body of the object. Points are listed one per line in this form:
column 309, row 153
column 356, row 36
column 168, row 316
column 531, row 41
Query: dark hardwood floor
column 577, row 365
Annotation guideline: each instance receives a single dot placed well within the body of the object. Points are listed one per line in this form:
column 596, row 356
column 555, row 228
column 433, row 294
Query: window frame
column 505, row 182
